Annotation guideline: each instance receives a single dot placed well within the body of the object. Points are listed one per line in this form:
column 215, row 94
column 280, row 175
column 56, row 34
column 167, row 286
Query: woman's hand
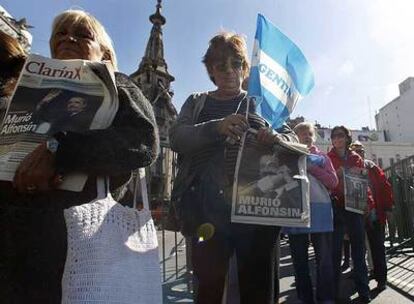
column 267, row 137
column 233, row 126
column 37, row 172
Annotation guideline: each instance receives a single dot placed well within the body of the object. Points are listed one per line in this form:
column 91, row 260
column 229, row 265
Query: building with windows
column 377, row 148
column 396, row 117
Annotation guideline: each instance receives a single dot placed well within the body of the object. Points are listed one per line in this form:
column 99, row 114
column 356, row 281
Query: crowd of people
column 206, row 137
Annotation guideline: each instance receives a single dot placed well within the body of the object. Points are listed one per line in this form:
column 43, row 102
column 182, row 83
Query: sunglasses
column 223, row 66
column 338, row 135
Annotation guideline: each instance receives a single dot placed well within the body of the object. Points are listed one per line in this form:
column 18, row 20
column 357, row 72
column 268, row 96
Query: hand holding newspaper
column 52, row 96
column 355, row 191
column 270, row 185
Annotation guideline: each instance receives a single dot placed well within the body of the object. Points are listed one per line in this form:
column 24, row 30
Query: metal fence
column 401, row 226
column 175, row 264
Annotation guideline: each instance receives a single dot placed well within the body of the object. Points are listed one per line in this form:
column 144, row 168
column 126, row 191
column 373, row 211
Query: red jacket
column 351, row 160
column 381, row 190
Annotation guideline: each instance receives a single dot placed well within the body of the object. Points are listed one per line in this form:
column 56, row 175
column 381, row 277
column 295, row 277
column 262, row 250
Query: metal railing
column 175, row 263
column 401, row 226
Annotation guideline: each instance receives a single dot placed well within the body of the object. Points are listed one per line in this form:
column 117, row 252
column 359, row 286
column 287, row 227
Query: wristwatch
column 52, row 145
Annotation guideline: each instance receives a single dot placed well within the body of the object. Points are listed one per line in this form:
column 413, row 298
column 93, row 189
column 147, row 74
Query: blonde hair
column 79, row 17
column 223, row 46
column 306, row 126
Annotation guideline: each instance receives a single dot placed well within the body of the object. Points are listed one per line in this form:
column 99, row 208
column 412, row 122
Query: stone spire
column 154, row 80
column 152, row 75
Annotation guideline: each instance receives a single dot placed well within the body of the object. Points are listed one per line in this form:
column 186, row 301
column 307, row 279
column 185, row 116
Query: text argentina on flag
column 280, row 74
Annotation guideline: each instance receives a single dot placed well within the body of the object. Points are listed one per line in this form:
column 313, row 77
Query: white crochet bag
column 112, row 254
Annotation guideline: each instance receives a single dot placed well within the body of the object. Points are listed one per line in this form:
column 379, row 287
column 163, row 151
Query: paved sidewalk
column 401, row 270
column 400, row 288
column 401, row 273
column 177, row 281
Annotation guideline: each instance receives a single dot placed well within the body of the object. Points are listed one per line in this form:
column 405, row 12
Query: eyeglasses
column 338, row 135
column 232, row 63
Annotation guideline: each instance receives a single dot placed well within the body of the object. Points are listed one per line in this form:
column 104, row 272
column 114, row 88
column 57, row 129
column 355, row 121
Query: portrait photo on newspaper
column 270, row 187
column 54, row 95
column 356, row 192
column 57, row 109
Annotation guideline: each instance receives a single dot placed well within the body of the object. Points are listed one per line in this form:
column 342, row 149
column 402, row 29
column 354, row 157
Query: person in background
column 12, row 58
column 206, row 137
column 375, row 224
column 345, row 159
column 322, row 177
column 34, row 237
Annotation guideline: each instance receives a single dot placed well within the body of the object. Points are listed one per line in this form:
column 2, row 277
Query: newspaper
column 355, row 192
column 51, row 96
column 270, row 185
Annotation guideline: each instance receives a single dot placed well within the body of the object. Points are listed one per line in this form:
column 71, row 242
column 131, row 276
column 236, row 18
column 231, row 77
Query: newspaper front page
column 270, row 185
column 51, row 96
column 356, row 192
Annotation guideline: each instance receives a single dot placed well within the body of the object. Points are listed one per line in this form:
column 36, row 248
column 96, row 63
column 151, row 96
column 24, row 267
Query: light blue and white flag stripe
column 280, row 75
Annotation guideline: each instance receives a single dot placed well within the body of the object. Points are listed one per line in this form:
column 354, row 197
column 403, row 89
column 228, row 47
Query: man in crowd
column 382, row 194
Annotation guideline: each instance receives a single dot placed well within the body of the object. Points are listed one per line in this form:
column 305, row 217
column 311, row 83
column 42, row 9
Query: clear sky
column 359, row 49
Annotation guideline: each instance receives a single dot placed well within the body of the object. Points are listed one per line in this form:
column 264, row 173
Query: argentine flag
column 280, row 75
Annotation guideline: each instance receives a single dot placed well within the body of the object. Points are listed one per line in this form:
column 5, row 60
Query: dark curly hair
column 347, row 134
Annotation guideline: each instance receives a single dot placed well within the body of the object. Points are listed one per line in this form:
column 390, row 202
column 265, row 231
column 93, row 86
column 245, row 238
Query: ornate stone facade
column 154, row 80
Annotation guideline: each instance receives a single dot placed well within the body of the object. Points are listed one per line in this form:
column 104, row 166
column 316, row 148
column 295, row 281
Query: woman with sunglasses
column 345, row 159
column 203, row 187
column 12, row 58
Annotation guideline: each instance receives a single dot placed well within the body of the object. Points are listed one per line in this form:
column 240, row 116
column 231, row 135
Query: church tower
column 153, row 78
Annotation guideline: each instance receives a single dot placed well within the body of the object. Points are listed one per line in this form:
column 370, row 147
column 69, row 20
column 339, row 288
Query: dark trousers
column 32, row 255
column 322, row 244
column 376, row 237
column 354, row 225
column 255, row 251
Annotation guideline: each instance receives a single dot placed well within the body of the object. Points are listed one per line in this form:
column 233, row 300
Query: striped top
column 219, row 109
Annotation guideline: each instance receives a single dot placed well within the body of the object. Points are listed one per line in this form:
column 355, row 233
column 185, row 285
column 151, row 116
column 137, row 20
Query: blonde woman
column 322, row 178
column 32, row 208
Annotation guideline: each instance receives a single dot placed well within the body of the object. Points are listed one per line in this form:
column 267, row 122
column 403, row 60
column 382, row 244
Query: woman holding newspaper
column 343, row 159
column 206, row 137
column 32, row 210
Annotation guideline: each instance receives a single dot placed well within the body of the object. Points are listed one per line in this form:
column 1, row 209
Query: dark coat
column 33, row 232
